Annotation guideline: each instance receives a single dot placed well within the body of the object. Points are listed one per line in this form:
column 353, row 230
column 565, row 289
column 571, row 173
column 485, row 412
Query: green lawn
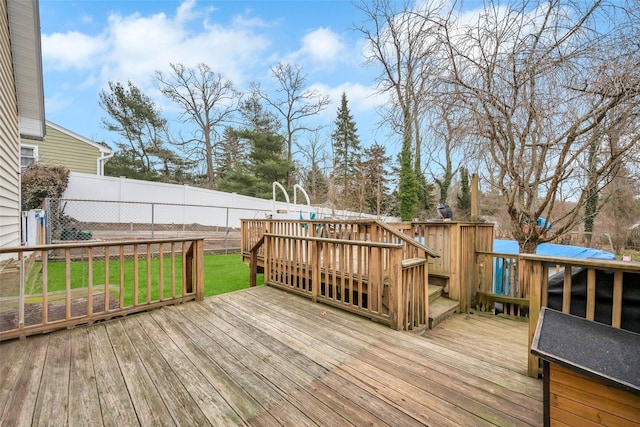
column 222, row 273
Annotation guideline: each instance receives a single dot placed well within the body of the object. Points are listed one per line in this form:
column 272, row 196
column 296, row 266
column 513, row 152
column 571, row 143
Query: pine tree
column 265, row 164
column 230, row 154
column 317, row 185
column 375, row 179
column 346, row 160
column 464, row 198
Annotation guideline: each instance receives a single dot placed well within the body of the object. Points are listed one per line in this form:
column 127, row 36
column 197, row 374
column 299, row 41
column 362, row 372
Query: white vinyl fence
column 120, row 208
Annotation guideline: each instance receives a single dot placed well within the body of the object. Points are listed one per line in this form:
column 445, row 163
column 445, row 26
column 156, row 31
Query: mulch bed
column 56, row 311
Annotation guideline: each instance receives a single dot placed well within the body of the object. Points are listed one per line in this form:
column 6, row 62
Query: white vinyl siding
column 27, row 65
column 9, row 140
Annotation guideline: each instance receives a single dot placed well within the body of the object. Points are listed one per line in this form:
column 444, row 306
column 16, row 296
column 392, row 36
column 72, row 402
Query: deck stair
column 440, row 307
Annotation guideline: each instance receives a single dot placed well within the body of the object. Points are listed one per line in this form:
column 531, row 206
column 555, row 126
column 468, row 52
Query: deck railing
column 456, row 242
column 364, row 277
column 50, row 287
column 528, row 277
column 362, row 230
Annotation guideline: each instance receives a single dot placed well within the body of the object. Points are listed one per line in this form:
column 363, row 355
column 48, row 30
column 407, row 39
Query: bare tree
column 315, row 171
column 448, row 145
column 544, row 83
column 401, row 41
column 206, row 99
column 294, row 102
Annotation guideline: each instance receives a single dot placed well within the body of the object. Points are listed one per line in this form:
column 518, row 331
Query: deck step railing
column 52, row 287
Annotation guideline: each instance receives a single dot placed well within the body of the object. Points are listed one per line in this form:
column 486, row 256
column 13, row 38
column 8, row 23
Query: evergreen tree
column 317, row 185
column 266, row 163
column 408, row 187
column 139, row 122
column 256, row 118
column 464, row 198
column 231, row 153
column 346, row 160
column 375, row 179
column 425, row 191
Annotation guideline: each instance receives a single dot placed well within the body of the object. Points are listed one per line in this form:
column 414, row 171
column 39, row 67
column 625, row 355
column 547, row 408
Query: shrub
column 40, row 181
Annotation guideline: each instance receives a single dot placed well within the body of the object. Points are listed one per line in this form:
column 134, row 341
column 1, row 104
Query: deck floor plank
column 52, row 405
column 205, row 396
column 264, row 357
column 12, row 363
column 171, row 390
column 149, row 406
column 239, row 400
column 84, row 403
column 115, row 403
column 490, row 393
column 21, row 400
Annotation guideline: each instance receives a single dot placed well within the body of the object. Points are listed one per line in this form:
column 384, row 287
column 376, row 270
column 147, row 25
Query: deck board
column 264, row 357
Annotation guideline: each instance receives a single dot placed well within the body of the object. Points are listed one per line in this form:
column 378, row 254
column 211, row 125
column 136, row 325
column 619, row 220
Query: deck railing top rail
column 101, row 244
column 408, row 239
column 364, row 243
column 600, row 264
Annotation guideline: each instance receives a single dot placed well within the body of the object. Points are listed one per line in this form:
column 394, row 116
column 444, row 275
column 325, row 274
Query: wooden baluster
column 107, row 305
column 90, row 282
column 45, row 286
column 135, row 275
column 591, row 294
column 566, row 289
column 67, row 259
column 616, row 315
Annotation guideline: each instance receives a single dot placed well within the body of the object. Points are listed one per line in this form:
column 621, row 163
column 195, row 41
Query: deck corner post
column 396, row 312
column 253, row 269
column 532, row 275
column 199, row 279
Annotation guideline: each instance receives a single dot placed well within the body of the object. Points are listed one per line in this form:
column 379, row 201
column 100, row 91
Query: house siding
column 9, row 140
column 59, row 148
column 24, row 33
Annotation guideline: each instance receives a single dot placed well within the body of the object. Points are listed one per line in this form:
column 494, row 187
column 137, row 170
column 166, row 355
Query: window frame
column 34, row 149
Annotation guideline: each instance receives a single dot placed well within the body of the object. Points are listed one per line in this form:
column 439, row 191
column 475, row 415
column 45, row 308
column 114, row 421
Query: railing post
column 253, row 262
column 315, row 270
column 199, row 256
column 532, row 275
column 188, row 269
column 396, row 312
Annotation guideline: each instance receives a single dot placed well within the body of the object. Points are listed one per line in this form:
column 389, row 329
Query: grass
column 222, row 273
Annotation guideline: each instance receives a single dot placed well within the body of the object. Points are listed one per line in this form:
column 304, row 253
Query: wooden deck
column 266, row 357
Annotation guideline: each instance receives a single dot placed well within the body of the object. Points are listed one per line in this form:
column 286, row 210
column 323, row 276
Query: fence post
column 153, row 211
column 226, row 235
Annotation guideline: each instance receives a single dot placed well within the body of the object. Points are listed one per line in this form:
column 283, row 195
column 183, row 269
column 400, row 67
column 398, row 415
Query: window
column 28, row 155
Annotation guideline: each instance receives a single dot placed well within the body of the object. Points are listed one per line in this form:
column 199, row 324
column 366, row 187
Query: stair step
column 440, row 309
column 435, row 292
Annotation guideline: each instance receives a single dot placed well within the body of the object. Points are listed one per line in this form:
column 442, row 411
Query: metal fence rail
column 69, row 220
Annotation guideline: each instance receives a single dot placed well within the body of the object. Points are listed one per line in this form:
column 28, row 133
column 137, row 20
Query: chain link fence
column 77, row 220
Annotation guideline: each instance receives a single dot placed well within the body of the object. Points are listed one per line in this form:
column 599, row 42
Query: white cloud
column 132, row 47
column 186, row 12
column 65, row 51
column 57, row 102
column 323, row 46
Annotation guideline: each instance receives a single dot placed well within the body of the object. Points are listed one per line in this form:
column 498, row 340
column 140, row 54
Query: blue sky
column 86, row 43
